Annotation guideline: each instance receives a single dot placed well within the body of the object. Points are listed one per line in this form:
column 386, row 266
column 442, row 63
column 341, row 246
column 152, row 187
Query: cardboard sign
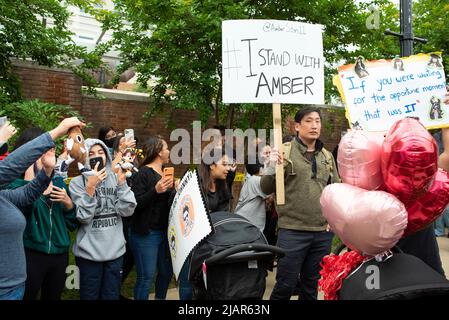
column 189, row 221
column 272, row 61
column 378, row 93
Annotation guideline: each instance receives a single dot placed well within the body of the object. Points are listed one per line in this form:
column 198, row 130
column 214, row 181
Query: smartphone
column 58, row 182
column 129, row 134
column 93, row 163
column 169, row 172
column 3, row 121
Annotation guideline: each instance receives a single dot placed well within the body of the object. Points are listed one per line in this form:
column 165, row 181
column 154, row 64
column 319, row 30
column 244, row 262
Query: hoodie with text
column 100, row 236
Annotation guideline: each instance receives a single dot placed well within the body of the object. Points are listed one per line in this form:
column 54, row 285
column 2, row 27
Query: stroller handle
column 242, row 248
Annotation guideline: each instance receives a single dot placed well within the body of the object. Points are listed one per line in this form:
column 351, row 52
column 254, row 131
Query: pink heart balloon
column 368, row 222
column 409, row 160
column 359, row 160
column 427, row 208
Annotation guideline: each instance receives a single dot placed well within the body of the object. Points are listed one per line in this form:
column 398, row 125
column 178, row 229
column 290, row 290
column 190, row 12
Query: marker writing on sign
column 272, row 58
column 249, row 54
column 354, row 87
column 285, row 85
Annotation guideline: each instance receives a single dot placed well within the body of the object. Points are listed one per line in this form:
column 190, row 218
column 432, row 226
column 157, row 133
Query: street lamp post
column 406, row 37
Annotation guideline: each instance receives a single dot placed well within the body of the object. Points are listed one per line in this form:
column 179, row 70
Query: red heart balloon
column 427, row 208
column 409, row 160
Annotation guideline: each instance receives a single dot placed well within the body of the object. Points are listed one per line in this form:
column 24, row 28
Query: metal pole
column 406, row 37
column 406, row 28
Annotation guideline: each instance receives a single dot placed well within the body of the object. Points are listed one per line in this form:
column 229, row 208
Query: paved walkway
column 443, row 243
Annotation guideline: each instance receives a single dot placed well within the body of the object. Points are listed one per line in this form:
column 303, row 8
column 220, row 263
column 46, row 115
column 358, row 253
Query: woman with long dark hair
column 148, row 228
column 212, row 171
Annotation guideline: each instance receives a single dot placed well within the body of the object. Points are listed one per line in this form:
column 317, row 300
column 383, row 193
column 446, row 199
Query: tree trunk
column 217, row 114
column 230, row 118
column 217, row 101
column 252, row 118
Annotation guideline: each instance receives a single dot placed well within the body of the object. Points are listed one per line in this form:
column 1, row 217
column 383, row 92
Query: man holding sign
column 272, row 61
column 308, row 168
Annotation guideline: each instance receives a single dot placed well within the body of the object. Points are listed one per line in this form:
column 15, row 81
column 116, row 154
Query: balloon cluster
column 391, row 187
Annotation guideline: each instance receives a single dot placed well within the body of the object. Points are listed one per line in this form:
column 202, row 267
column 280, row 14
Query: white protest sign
column 188, row 221
column 378, row 93
column 272, row 61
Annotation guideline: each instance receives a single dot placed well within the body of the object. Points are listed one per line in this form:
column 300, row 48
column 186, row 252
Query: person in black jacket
column 148, row 228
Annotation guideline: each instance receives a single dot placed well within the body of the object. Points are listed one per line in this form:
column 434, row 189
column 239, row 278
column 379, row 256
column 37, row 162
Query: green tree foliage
column 25, row 33
column 34, row 113
column 431, row 22
column 179, row 43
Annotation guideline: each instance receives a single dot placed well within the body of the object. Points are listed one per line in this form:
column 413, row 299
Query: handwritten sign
column 188, row 220
column 378, row 93
column 272, row 61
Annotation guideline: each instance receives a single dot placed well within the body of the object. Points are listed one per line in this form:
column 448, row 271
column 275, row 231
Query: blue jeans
column 184, row 286
column 151, row 253
column 311, row 247
column 15, row 293
column 100, row 280
column 441, row 222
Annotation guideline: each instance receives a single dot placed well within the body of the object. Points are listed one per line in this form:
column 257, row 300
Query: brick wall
column 122, row 114
column 125, row 109
column 49, row 85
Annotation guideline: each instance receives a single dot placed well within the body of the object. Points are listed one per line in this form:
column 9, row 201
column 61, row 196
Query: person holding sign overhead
column 308, row 168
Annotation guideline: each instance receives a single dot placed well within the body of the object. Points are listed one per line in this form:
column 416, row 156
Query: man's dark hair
column 253, row 168
column 303, row 112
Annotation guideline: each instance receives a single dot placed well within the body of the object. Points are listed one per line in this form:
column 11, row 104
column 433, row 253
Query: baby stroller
column 231, row 264
column 399, row 277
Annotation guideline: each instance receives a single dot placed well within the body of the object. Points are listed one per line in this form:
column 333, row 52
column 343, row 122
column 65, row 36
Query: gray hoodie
column 100, row 236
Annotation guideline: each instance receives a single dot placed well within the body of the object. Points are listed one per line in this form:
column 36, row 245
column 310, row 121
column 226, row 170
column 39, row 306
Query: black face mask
column 3, row 149
column 110, row 142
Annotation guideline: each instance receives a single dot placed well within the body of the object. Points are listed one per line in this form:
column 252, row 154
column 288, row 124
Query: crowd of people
column 121, row 221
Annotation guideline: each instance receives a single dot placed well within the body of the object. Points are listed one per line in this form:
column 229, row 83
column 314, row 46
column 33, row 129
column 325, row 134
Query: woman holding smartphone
column 148, row 230
column 101, row 201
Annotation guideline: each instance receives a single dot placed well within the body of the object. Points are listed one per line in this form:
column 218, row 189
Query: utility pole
column 406, row 37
